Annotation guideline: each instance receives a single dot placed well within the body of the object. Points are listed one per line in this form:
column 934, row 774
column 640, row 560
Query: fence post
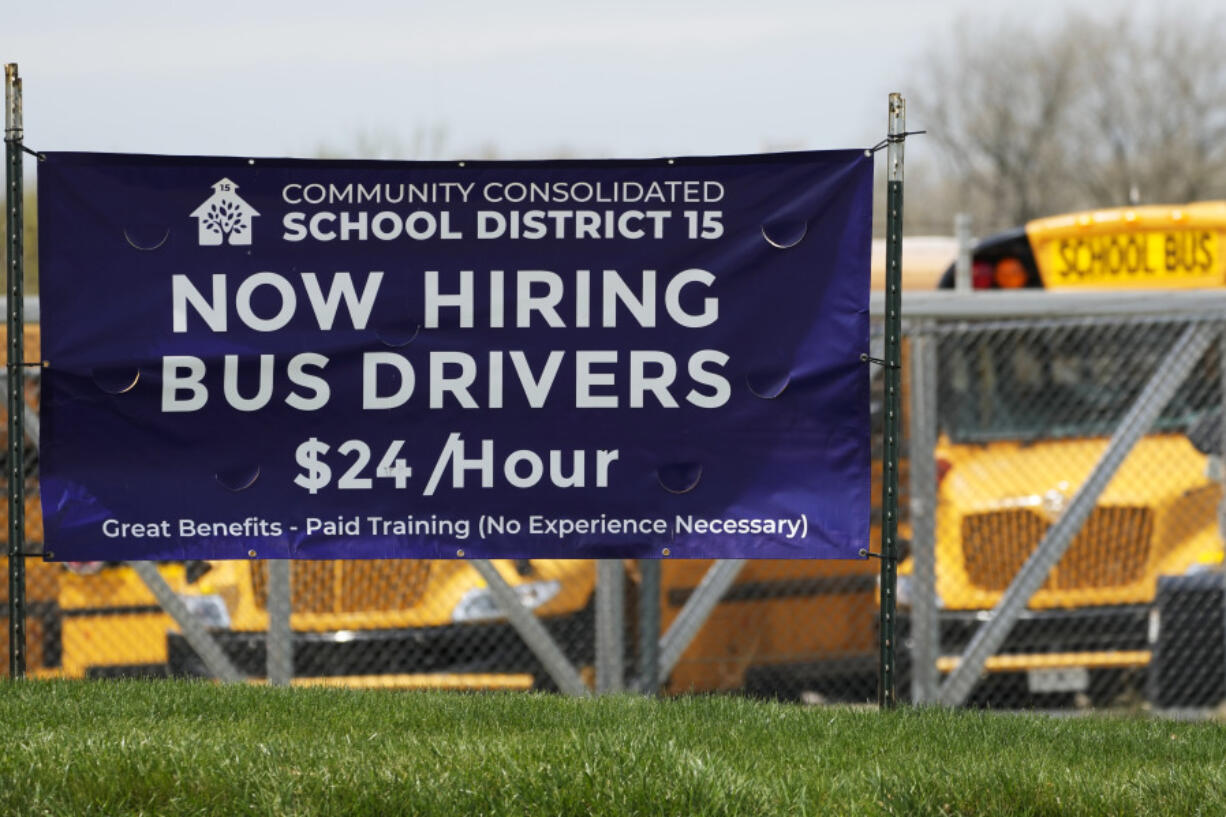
column 280, row 649
column 893, row 402
column 925, row 632
column 962, row 267
column 14, row 196
column 610, row 625
column 649, row 627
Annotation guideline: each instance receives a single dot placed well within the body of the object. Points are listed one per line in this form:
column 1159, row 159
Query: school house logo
column 224, row 217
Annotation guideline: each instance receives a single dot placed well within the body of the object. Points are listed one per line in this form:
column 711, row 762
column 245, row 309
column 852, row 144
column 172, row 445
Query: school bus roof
column 1139, row 218
column 1199, row 214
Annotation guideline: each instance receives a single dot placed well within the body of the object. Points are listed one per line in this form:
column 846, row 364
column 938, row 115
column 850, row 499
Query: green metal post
column 886, row 697
column 16, row 354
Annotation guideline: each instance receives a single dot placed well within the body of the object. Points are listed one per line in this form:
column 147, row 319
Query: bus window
column 1060, row 381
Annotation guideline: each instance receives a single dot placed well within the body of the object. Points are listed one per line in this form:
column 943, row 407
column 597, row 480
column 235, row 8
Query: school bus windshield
column 1061, row 380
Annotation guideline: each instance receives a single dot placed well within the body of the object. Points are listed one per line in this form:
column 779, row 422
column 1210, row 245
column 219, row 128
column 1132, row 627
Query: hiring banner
column 351, row 359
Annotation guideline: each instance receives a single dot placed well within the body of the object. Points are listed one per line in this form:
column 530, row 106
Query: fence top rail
column 951, row 305
column 968, row 306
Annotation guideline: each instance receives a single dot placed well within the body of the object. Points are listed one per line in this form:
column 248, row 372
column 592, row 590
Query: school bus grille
column 1111, row 549
column 350, row 586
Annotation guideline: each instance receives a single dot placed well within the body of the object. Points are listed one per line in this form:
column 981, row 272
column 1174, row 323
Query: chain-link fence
column 781, row 628
column 1065, row 550
column 1066, row 545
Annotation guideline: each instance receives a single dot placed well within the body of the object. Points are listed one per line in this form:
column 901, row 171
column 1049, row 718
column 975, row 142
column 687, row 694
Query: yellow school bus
column 1025, row 414
column 1154, row 247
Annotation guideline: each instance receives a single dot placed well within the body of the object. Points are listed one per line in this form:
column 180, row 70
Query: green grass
column 163, row 748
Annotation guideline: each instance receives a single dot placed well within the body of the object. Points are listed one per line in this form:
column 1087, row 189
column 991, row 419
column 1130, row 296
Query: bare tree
column 1157, row 103
column 1034, row 119
column 996, row 99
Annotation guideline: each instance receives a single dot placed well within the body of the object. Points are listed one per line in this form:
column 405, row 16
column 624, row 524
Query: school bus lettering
column 1109, row 255
column 1144, row 258
column 1189, row 252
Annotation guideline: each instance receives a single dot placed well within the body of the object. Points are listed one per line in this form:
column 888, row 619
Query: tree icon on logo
column 224, row 217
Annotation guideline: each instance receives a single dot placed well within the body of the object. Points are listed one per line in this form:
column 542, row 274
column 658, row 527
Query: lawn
column 170, row 748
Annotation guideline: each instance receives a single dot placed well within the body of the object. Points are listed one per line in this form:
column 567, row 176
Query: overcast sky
column 529, row 78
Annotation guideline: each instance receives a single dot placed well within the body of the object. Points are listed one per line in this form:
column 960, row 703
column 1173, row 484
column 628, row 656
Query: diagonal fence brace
column 193, row 629
column 694, row 614
column 532, row 631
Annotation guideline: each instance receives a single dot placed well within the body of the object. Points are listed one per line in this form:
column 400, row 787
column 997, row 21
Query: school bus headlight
column 479, row 604
column 210, row 610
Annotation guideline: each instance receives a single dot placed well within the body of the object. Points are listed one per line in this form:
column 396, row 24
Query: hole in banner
column 396, row 335
column 238, row 479
column 784, row 233
column 146, row 238
column 117, row 379
column 768, row 384
column 679, row 478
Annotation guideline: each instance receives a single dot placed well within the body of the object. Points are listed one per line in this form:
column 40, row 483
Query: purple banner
column 349, row 359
